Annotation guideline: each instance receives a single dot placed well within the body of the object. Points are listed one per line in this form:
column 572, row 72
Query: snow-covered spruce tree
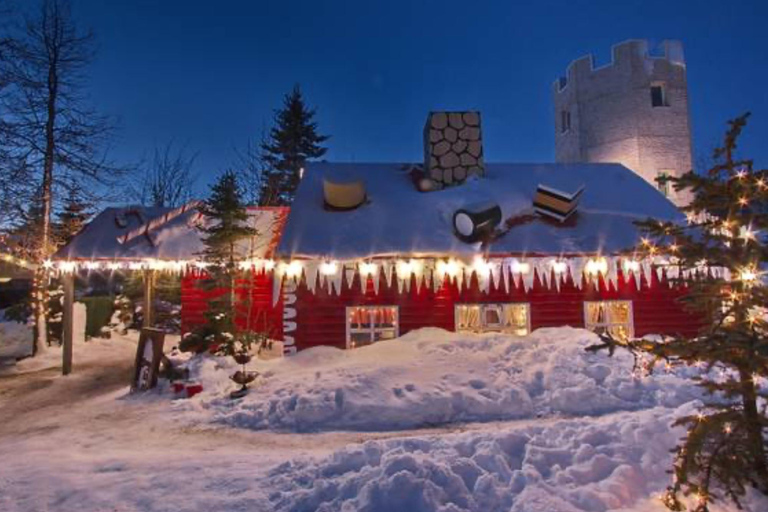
column 291, row 142
column 226, row 225
column 720, row 256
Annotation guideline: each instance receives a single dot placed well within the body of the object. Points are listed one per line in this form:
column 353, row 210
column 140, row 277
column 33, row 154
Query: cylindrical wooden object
column 343, row 195
column 472, row 223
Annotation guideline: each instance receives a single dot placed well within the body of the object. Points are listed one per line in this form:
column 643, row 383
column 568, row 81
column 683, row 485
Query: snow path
column 81, row 443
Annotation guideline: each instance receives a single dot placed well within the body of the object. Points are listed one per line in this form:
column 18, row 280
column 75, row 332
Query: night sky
column 208, row 74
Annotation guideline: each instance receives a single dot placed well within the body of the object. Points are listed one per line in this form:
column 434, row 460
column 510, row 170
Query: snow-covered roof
column 140, row 232
column 398, row 219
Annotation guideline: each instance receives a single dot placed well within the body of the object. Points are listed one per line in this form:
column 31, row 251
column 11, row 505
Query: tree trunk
column 41, row 294
column 755, row 429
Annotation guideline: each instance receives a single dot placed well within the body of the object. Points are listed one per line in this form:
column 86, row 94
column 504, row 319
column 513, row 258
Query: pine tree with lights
column 720, row 257
column 291, row 142
column 73, row 216
column 226, row 226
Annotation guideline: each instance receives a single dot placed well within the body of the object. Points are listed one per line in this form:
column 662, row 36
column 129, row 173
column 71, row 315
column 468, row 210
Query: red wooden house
column 372, row 251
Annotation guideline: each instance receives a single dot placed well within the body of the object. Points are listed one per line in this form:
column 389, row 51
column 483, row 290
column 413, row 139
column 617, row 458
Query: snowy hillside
column 432, row 377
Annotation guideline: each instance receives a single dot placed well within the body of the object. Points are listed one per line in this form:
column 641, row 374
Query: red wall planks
column 321, row 316
column 263, row 315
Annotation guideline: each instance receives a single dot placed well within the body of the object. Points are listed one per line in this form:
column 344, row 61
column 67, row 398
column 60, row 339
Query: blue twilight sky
column 210, row 73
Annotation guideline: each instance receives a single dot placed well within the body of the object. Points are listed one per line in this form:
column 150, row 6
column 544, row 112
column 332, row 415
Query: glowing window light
column 521, row 267
column 559, row 267
column 201, row 265
column 135, row 265
column 367, row 269
column 269, row 264
column 48, row 264
column 113, row 265
column 92, row 265
column 597, row 266
column 329, row 268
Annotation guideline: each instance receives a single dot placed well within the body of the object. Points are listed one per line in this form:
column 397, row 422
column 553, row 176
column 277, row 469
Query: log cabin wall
column 321, row 316
column 263, row 315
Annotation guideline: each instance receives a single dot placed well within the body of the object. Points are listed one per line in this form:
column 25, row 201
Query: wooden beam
column 149, row 297
column 68, row 331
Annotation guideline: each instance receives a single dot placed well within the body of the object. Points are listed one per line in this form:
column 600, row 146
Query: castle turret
column 633, row 111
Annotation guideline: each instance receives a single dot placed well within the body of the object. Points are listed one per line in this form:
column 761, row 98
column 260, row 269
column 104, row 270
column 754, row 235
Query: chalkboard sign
column 149, row 352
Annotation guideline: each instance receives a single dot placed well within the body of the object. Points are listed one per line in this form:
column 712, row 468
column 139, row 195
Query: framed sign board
column 149, row 352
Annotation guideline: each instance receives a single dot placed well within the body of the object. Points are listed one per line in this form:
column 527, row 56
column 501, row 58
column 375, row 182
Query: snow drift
column 564, row 465
column 432, row 377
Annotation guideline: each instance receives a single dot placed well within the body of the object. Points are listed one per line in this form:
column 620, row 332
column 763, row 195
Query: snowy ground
column 489, row 423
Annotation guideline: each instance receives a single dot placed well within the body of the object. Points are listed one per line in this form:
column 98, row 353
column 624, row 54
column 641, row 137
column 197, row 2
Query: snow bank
column 83, row 353
column 589, row 464
column 586, row 464
column 15, row 340
column 433, row 377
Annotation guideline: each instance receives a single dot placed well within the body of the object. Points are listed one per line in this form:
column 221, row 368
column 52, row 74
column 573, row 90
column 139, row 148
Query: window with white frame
column 369, row 324
column 512, row 317
column 612, row 317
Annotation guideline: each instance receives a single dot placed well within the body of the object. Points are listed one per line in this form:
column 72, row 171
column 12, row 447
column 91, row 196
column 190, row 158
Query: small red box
column 193, row 389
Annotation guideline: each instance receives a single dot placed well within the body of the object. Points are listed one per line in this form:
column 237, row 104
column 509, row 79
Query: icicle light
column 559, row 267
column 521, row 267
column 630, row 266
column 292, row 269
column 367, row 269
column 481, row 266
column 597, row 266
column 450, row 268
column 329, row 268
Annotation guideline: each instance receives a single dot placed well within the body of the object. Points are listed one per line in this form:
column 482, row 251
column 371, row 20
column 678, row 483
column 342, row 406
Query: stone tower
column 633, row 111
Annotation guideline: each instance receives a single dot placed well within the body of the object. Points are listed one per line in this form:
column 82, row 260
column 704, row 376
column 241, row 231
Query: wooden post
column 149, row 296
column 68, row 326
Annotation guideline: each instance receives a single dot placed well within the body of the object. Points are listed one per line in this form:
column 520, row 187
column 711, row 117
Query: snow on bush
column 588, row 464
column 433, row 377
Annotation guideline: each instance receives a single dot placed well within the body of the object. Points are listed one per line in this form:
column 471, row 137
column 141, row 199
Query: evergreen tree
column 226, row 226
column 720, row 256
column 73, row 216
column 291, row 142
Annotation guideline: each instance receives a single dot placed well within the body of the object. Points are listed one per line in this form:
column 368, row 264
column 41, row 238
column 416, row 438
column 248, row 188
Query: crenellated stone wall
column 605, row 114
column 453, row 147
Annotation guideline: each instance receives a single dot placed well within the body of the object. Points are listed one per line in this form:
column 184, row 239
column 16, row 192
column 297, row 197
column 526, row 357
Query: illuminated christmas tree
column 720, row 256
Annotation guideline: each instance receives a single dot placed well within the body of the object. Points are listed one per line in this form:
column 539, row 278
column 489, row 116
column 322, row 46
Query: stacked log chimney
column 453, row 147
